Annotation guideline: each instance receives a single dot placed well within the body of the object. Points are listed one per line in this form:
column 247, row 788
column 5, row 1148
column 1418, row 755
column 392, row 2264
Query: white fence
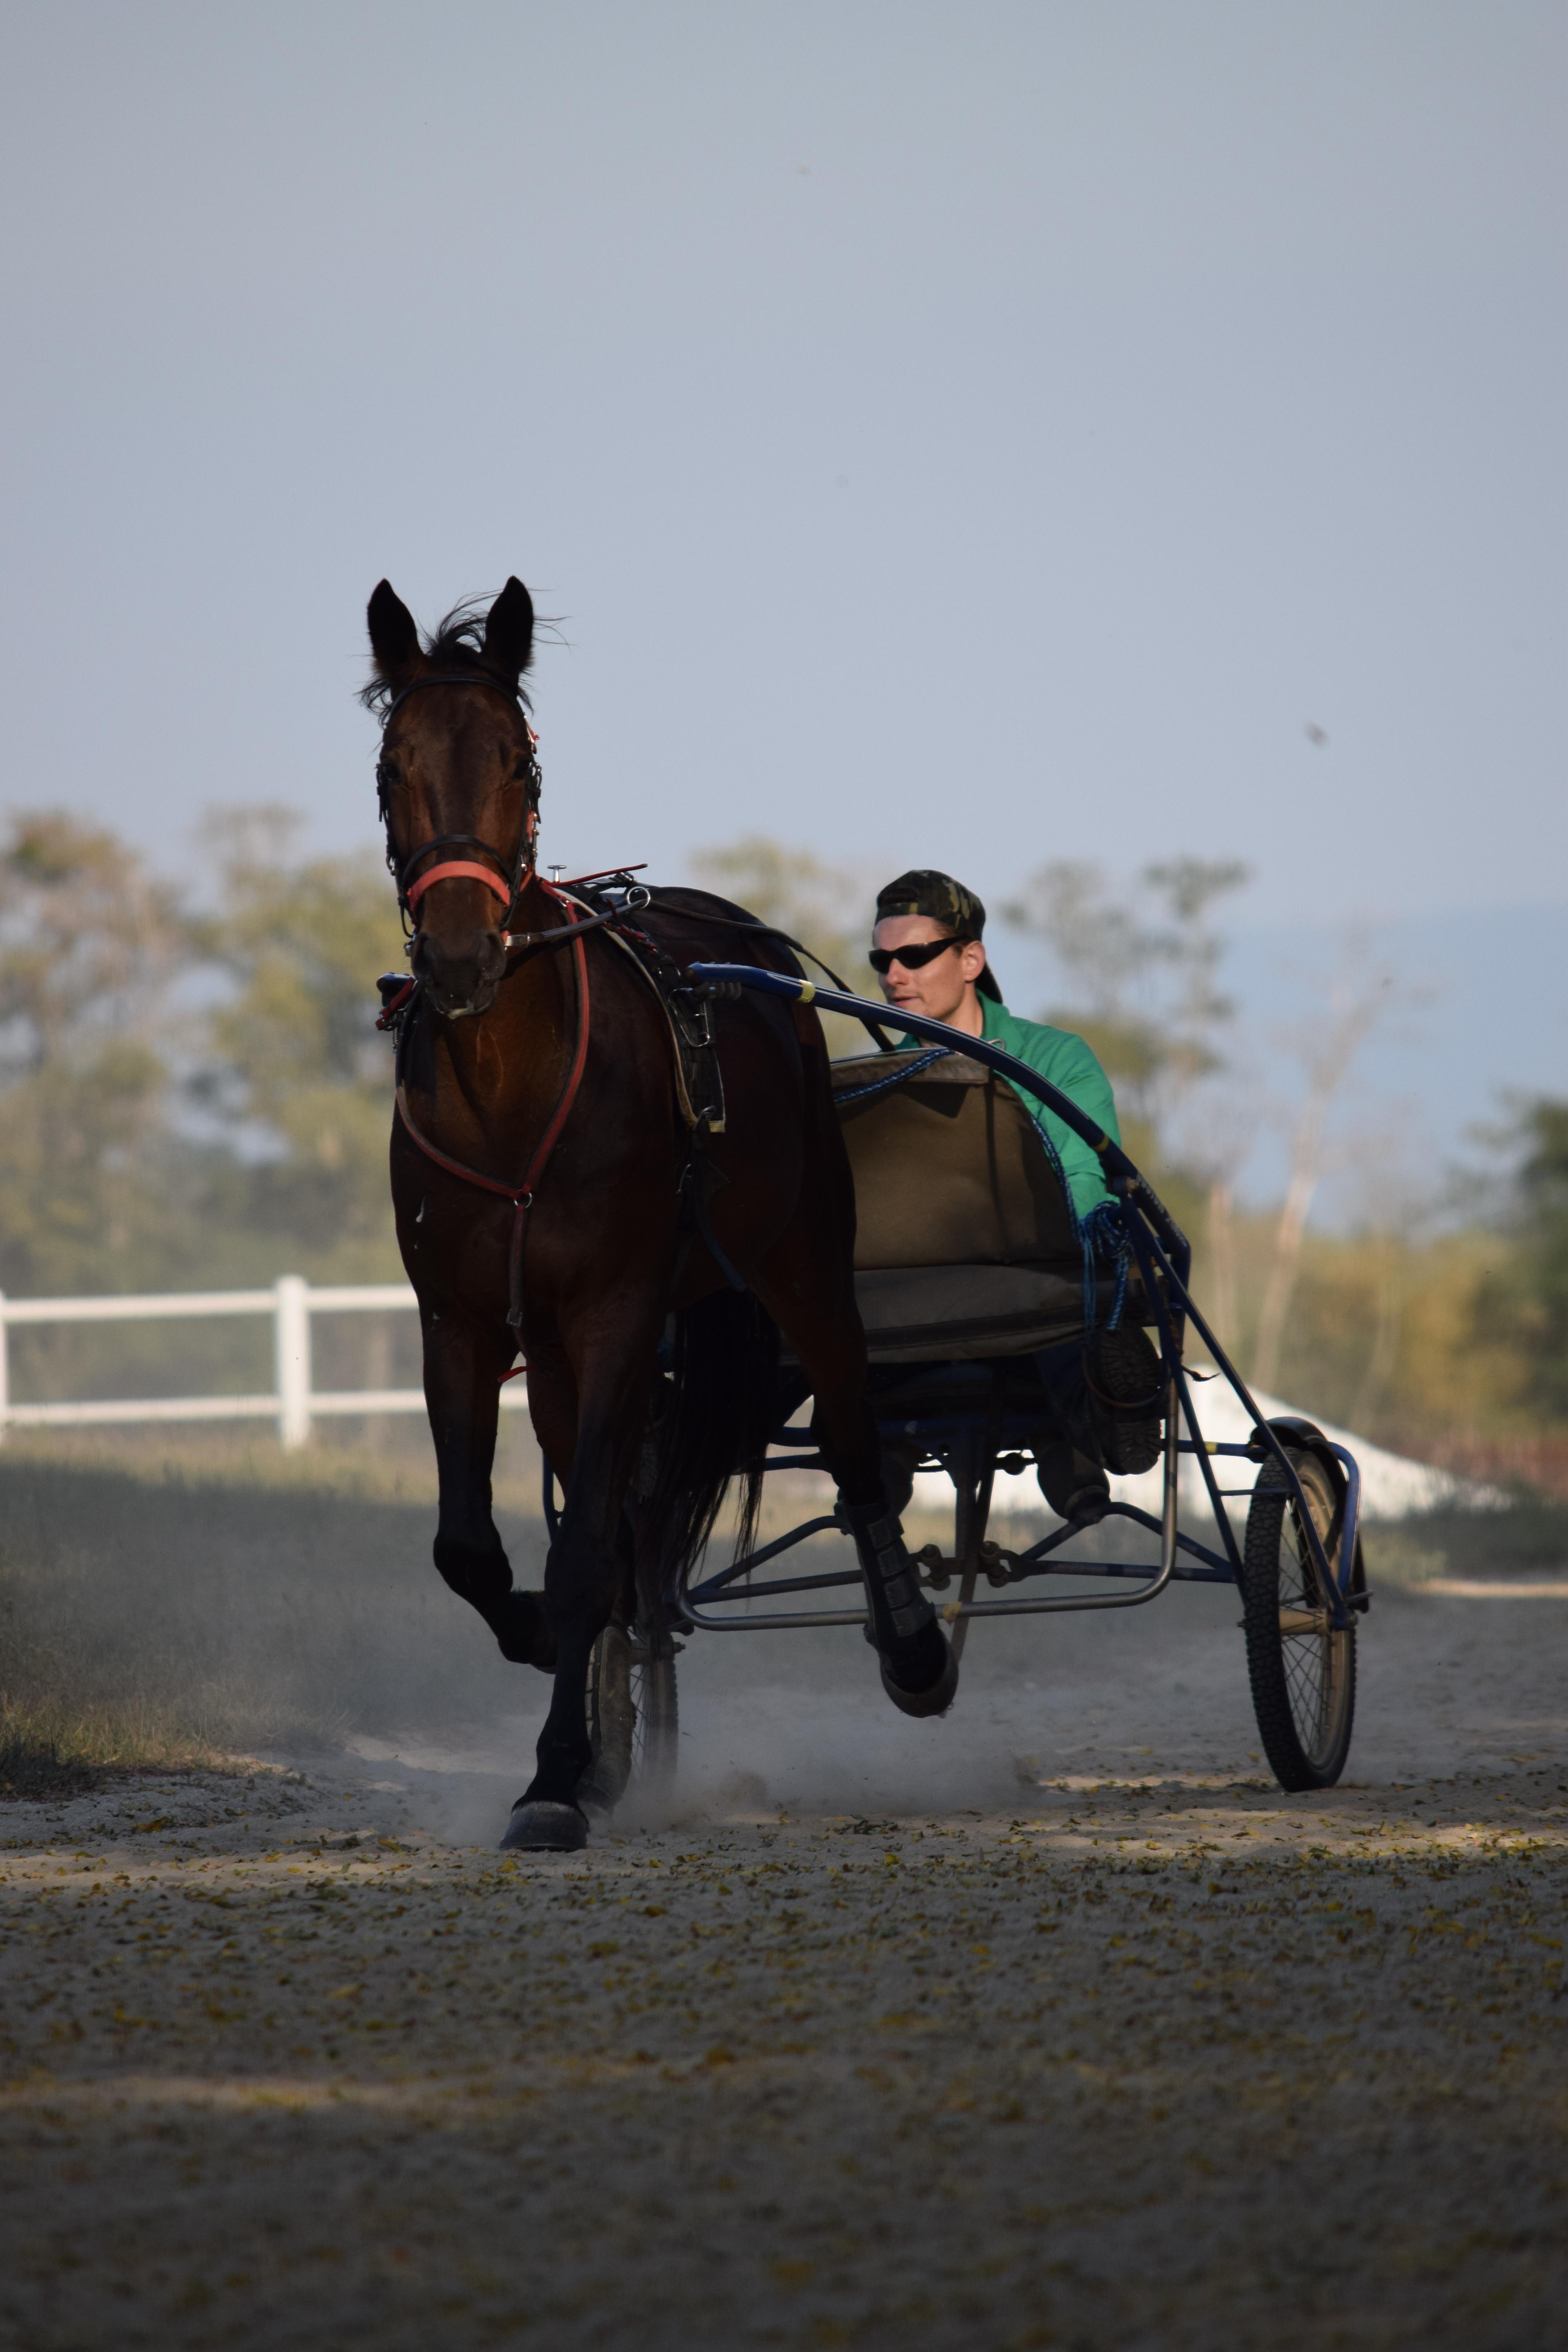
column 293, row 1403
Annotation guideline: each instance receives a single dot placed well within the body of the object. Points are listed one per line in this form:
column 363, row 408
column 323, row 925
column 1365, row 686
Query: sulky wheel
column 657, row 1709
column 1302, row 1669
column 633, row 1716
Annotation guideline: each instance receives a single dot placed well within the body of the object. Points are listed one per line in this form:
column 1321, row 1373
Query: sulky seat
column 964, row 1242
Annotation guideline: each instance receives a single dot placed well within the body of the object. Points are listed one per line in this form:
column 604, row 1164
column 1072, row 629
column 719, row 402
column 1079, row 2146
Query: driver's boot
column 919, row 1673
column 1075, row 1488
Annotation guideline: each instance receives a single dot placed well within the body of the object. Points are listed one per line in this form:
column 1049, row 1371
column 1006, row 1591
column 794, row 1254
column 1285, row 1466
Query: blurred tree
column 1543, row 1232
column 90, row 949
column 1525, row 1304
column 1360, row 991
column 1140, row 969
column 295, row 1073
column 1383, row 1336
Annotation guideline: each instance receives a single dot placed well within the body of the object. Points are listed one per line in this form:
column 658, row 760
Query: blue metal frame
column 1163, row 1257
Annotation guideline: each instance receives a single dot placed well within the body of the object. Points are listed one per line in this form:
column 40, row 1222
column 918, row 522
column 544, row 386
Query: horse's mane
column 455, row 644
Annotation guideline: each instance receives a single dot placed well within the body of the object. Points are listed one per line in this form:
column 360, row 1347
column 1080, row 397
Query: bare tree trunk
column 1305, row 1169
column 1358, row 1000
column 1222, row 1260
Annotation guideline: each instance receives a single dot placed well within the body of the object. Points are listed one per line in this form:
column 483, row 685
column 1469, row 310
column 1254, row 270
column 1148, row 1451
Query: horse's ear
column 393, row 639
column 508, row 632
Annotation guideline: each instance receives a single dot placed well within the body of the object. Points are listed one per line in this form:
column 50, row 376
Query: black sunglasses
column 882, row 960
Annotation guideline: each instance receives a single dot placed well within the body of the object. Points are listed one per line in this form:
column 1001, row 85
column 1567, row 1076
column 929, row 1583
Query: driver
column 929, row 956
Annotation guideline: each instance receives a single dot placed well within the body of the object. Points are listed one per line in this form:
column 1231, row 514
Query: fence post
column 291, row 1330
column 4, row 1370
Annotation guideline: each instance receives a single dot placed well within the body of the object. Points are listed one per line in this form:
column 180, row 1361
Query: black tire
column 1301, row 1668
column 633, row 1716
column 656, row 1706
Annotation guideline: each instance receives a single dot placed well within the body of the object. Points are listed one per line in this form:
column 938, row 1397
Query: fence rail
column 293, row 1403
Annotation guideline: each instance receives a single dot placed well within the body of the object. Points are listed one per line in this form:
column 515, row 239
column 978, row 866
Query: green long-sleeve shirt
column 1064, row 1061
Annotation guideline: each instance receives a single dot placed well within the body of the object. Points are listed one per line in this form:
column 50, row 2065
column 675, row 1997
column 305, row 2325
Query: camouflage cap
column 926, row 891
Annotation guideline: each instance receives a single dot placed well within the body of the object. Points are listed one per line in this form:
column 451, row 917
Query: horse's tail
column 718, row 1427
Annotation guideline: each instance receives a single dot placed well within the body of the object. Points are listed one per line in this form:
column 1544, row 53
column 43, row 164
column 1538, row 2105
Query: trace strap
column 521, row 1195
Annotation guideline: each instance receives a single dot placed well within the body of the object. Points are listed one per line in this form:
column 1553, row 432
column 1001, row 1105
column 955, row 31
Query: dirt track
column 1171, row 2064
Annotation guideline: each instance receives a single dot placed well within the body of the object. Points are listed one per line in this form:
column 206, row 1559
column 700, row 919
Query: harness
column 700, row 1090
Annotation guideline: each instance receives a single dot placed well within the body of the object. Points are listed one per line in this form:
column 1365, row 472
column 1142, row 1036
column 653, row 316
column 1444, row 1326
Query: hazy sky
column 949, row 434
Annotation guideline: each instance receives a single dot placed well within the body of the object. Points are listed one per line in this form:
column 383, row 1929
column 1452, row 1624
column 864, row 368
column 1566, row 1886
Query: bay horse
column 556, row 1195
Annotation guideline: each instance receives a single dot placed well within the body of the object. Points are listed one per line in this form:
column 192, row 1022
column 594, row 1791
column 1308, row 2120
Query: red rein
column 520, row 1195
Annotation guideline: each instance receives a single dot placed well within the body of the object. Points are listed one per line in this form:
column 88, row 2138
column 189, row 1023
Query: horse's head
column 460, row 785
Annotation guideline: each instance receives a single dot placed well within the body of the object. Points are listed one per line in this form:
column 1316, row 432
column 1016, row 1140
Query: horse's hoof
column 539, row 1827
column 937, row 1697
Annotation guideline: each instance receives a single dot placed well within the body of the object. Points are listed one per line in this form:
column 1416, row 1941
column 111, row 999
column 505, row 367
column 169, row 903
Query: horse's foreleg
column 585, row 1570
column 464, row 1361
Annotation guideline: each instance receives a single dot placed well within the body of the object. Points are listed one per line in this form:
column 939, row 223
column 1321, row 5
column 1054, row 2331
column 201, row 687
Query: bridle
column 508, row 879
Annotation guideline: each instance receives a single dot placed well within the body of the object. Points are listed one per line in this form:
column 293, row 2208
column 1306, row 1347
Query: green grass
column 156, row 1615
column 53, row 1749
column 1527, row 1535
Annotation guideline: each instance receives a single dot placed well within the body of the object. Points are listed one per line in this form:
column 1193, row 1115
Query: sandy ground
column 1054, row 2024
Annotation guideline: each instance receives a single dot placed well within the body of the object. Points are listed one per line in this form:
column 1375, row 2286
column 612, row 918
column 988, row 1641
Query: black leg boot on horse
column 919, row 1673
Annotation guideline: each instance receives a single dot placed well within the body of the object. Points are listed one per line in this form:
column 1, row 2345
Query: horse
column 558, row 1193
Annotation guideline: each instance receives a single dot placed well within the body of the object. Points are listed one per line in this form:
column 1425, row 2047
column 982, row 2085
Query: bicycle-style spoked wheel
column 633, row 1716
column 656, row 1733
column 1302, row 1666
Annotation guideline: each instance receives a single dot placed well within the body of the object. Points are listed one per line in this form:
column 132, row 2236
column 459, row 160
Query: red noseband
column 469, row 872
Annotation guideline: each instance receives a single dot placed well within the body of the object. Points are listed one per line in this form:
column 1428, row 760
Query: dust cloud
column 291, row 1612
column 797, row 1724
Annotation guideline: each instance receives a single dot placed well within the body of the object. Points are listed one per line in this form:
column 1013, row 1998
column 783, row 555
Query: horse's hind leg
column 808, row 1288
column 463, row 1366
